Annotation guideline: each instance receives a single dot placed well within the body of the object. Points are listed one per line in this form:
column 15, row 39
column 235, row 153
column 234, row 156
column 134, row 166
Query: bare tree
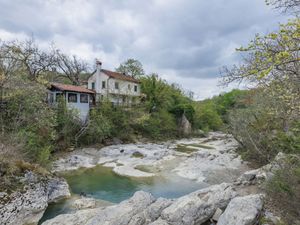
column 30, row 57
column 8, row 67
column 286, row 6
column 71, row 67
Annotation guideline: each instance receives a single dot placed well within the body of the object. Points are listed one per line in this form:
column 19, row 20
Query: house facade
column 77, row 98
column 118, row 88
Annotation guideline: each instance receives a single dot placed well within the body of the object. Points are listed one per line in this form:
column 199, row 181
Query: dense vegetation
column 270, row 122
column 36, row 130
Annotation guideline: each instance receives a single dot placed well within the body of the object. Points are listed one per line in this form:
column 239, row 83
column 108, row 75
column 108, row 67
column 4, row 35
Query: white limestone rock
column 57, row 189
column 262, row 174
column 242, row 210
column 24, row 208
column 199, row 206
column 120, row 214
column 159, row 222
column 131, row 172
column 73, row 162
column 151, row 213
column 84, row 203
column 28, row 206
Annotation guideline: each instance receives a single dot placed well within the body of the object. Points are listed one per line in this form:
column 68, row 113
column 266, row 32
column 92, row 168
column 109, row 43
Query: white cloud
column 185, row 41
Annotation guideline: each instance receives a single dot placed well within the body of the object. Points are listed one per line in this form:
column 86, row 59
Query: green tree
column 156, row 91
column 206, row 116
column 131, row 67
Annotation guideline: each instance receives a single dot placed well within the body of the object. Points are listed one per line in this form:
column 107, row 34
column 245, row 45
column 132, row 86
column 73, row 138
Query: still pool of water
column 101, row 183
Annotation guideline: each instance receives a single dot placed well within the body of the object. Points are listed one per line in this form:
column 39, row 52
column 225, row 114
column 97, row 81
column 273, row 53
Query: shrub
column 66, row 125
column 118, row 118
column 206, row 117
column 159, row 125
column 261, row 131
column 283, row 190
column 99, row 128
column 30, row 119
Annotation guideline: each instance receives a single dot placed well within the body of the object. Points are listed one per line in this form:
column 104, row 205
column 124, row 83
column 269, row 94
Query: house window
column 93, row 85
column 58, row 97
column 103, row 84
column 72, row 97
column 116, row 85
column 84, row 98
column 135, row 88
column 129, row 87
column 51, row 97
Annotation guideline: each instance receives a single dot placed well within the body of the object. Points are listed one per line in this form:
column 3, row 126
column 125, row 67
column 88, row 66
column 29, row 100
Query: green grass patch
column 185, row 149
column 137, row 155
column 201, row 146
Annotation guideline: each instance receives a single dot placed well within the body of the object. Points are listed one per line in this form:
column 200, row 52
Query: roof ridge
column 71, row 87
column 120, row 76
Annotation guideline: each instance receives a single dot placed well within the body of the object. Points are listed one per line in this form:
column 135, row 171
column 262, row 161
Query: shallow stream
column 101, row 183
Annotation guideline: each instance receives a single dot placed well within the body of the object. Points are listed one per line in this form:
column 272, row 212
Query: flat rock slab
column 242, row 210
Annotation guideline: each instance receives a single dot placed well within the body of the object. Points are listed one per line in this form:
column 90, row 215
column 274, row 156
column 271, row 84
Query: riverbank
column 224, row 180
column 237, row 203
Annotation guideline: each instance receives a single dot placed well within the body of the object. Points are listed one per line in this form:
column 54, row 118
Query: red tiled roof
column 119, row 76
column 68, row 87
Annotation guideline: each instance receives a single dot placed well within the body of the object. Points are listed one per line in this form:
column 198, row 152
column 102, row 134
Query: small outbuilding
column 78, row 98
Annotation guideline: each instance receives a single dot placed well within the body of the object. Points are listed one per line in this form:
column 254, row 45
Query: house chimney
column 98, row 65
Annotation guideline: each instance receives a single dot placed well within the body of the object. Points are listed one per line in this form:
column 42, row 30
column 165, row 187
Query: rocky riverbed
column 232, row 195
column 211, row 159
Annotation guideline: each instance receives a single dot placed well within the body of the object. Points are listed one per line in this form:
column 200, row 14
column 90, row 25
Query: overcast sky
column 185, row 41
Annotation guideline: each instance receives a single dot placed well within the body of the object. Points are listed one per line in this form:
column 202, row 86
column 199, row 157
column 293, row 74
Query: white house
column 118, row 88
column 76, row 97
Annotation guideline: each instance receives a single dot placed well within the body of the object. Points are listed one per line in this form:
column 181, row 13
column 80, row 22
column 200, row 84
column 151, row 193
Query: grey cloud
column 192, row 38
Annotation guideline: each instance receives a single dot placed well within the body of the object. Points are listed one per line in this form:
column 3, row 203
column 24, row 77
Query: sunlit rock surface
column 143, row 208
column 212, row 159
column 242, row 211
column 27, row 206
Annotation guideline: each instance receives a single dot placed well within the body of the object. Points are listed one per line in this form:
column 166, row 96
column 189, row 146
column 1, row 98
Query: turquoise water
column 101, row 183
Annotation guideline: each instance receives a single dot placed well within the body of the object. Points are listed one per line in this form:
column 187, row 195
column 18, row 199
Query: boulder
column 242, row 210
column 199, row 206
column 120, row 214
column 266, row 172
column 159, row 222
column 217, row 214
column 57, row 189
column 84, row 203
column 27, row 206
column 185, row 126
column 151, row 213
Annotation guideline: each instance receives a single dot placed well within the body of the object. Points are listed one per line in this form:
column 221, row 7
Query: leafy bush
column 159, row 125
column 184, row 108
column 206, row 117
column 261, row 131
column 29, row 118
column 118, row 118
column 66, row 125
column 283, row 190
column 99, row 128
